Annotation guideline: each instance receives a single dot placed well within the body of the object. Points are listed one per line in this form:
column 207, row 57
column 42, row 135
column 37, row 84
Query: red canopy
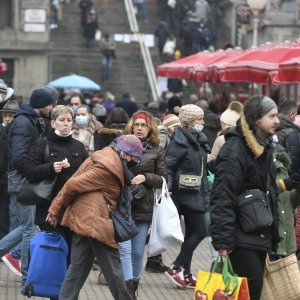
column 289, row 71
column 186, row 67
column 259, row 66
column 3, row 67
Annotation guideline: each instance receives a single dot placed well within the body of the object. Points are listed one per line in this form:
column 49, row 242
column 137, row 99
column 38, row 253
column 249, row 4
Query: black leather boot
column 155, row 264
column 130, row 288
column 135, row 286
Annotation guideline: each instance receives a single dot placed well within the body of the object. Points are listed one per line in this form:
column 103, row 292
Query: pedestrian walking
column 187, row 154
column 83, row 205
column 108, row 47
column 147, row 172
column 244, row 165
column 65, row 156
column 26, row 127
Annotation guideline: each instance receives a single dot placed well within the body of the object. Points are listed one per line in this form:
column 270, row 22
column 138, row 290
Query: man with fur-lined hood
column 245, row 163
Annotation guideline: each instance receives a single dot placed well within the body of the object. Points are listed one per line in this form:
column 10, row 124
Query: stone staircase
column 70, row 54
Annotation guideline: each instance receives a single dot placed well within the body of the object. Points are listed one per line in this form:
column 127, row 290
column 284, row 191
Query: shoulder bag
column 37, row 192
column 254, row 211
column 124, row 226
column 191, row 183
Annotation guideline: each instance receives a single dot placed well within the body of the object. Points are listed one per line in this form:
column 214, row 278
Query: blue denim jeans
column 24, row 233
column 107, row 61
column 132, row 252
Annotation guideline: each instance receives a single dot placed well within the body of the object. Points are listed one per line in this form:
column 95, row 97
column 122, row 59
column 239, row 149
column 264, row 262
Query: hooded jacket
column 83, row 204
column 26, row 127
column 242, row 164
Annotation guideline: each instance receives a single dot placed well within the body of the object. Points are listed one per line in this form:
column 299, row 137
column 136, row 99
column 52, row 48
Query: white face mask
column 198, row 128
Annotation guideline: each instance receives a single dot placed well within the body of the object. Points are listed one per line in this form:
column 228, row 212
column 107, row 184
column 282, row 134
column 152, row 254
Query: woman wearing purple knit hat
column 148, row 172
column 83, row 205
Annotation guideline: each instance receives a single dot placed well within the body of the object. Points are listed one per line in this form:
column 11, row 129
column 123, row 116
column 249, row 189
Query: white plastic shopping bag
column 169, row 47
column 169, row 223
column 166, row 228
column 156, row 244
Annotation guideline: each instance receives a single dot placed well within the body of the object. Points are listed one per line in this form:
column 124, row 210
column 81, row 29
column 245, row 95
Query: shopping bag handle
column 223, row 262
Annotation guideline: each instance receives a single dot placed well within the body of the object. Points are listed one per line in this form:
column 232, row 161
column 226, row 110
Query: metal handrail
column 144, row 50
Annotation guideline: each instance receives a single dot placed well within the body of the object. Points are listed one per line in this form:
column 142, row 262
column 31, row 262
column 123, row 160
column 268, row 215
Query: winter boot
column 155, row 264
column 135, row 287
column 130, row 289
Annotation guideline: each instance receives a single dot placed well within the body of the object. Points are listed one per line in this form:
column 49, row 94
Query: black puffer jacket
column 36, row 169
column 242, row 164
column 26, row 127
column 153, row 166
column 185, row 154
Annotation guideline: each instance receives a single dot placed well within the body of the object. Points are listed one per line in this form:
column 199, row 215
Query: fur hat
column 171, row 121
column 40, row 98
column 3, row 87
column 188, row 113
column 130, row 144
column 10, row 106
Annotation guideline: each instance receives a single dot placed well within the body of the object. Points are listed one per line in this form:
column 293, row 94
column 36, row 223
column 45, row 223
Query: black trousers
column 250, row 263
column 195, row 232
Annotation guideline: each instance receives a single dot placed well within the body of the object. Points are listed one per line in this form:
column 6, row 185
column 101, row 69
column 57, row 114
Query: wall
column 29, row 50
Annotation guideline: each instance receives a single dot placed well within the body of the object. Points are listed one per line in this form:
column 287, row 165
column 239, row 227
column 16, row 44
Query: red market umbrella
column 260, row 66
column 288, row 72
column 3, row 66
column 213, row 70
column 186, row 67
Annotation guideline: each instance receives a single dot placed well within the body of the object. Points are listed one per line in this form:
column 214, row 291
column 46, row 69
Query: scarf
column 85, row 136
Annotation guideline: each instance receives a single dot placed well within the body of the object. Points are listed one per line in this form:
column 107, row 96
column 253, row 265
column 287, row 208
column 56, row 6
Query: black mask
column 131, row 164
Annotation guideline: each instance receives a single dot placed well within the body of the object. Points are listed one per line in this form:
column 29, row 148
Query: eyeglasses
column 143, row 125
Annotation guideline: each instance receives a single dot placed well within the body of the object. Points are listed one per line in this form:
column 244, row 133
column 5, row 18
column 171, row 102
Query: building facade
column 279, row 21
column 24, row 43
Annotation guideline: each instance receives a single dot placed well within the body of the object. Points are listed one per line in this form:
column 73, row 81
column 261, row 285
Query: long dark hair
column 117, row 116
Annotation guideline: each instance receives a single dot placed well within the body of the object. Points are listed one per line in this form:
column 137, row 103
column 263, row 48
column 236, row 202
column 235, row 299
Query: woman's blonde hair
column 61, row 109
column 153, row 131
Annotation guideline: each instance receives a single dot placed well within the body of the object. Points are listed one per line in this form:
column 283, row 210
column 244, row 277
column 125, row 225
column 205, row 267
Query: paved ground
column 153, row 286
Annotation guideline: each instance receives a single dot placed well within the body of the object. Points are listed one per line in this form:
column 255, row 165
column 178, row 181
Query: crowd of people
column 96, row 156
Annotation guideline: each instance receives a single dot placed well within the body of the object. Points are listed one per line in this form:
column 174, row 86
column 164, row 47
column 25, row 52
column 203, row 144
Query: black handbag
column 124, row 226
column 138, row 191
column 37, row 192
column 254, row 211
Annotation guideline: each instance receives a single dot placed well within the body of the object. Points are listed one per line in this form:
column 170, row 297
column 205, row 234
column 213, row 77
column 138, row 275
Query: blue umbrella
column 75, row 81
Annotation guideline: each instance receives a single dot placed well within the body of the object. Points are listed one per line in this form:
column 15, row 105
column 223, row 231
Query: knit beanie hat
column 53, row 92
column 3, row 87
column 188, row 113
column 130, row 144
column 40, row 98
column 171, row 120
column 229, row 117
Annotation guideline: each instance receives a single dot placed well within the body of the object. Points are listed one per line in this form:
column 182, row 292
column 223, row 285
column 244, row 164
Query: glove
column 286, row 184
